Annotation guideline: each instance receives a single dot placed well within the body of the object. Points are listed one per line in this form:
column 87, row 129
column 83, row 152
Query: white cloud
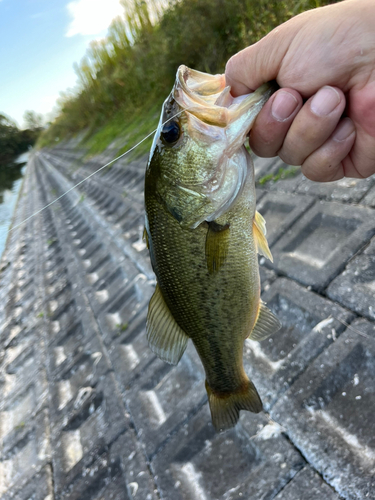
column 91, row 17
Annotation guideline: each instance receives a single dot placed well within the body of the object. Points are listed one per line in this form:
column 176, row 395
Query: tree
column 9, row 137
column 33, row 120
column 14, row 141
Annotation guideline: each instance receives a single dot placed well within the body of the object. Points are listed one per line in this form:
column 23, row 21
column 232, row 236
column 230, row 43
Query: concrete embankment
column 87, row 411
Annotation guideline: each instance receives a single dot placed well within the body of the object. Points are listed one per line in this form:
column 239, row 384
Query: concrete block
column 58, row 301
column 38, row 487
column 262, row 166
column 280, row 211
column 369, row 199
column 74, row 382
column 63, row 319
column 94, row 421
column 66, row 346
column 57, row 284
column 347, row 190
column 329, row 413
column 355, row 287
column 290, row 178
column 22, row 365
column 130, row 353
column 279, row 176
column 103, row 479
column 22, row 459
column 317, row 247
column 139, row 480
column 19, row 413
column 267, row 276
column 259, row 194
column 164, row 397
column 310, row 323
column 107, row 282
column 308, row 485
column 124, row 307
column 252, row 461
column 21, row 335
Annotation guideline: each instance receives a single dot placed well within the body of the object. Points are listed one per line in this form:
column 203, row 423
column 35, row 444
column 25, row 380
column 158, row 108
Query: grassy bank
column 124, row 78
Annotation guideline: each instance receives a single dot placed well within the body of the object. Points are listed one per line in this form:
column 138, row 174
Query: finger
column 244, row 77
column 326, row 163
column 313, row 125
column 272, row 124
column 360, row 163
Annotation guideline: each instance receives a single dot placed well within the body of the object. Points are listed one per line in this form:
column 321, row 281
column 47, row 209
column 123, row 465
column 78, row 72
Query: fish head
column 197, row 157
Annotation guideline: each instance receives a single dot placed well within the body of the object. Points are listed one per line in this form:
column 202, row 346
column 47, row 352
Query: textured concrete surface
column 88, row 412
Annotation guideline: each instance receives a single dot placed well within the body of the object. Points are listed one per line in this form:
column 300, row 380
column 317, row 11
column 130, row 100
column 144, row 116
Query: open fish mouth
column 208, row 98
column 207, row 124
column 213, row 115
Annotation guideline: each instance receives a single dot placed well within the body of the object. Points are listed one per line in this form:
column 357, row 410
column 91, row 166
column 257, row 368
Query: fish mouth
column 208, row 98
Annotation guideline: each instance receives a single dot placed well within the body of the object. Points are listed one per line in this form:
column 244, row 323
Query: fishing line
column 94, row 173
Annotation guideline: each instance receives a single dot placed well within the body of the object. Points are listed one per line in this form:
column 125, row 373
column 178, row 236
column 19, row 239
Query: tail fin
column 225, row 408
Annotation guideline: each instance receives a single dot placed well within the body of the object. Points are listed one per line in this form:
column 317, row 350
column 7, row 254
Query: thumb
column 259, row 63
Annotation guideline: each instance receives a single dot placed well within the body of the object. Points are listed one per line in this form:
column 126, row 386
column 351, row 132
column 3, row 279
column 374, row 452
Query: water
column 10, row 182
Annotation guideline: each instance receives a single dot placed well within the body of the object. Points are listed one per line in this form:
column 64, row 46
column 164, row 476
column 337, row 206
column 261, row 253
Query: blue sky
column 39, row 42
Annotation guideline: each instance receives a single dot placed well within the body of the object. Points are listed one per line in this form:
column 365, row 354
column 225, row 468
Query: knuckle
column 290, row 159
column 292, row 154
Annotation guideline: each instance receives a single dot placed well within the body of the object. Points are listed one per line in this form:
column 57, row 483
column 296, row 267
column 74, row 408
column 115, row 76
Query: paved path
column 88, row 412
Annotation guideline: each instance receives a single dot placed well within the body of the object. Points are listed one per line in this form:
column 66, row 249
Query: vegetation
column 14, row 141
column 282, row 173
column 124, row 78
column 9, row 173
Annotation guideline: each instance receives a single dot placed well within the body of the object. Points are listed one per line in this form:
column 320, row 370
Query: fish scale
column 208, row 287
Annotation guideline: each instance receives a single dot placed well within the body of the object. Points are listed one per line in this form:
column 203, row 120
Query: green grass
column 122, row 327
column 125, row 132
column 122, row 80
column 282, row 173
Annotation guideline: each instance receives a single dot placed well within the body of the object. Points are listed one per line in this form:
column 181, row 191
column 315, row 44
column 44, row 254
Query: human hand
column 327, row 57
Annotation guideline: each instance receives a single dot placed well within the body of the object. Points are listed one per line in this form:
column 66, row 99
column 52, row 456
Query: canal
column 11, row 175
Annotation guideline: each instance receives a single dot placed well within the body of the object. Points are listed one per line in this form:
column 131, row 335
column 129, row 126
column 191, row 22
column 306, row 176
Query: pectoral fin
column 217, row 244
column 259, row 231
column 266, row 324
column 166, row 339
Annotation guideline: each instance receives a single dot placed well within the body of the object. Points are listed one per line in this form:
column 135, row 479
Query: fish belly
column 216, row 310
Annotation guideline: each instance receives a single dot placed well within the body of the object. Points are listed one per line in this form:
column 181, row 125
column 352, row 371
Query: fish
column 203, row 234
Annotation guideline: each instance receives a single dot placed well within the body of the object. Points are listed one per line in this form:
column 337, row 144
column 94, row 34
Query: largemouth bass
column 203, row 235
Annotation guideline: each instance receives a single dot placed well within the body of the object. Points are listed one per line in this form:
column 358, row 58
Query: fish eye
column 171, row 132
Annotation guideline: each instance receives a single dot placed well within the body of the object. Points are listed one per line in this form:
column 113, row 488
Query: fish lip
column 202, row 85
column 198, row 98
column 201, row 96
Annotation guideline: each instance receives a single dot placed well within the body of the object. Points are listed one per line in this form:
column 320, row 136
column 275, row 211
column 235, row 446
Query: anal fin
column 259, row 231
column 166, row 339
column 266, row 324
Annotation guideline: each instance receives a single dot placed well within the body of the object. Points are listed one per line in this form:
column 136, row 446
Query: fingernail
column 283, row 105
column 344, row 130
column 325, row 101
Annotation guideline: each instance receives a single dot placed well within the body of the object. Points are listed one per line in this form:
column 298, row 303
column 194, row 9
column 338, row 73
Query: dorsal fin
column 259, row 231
